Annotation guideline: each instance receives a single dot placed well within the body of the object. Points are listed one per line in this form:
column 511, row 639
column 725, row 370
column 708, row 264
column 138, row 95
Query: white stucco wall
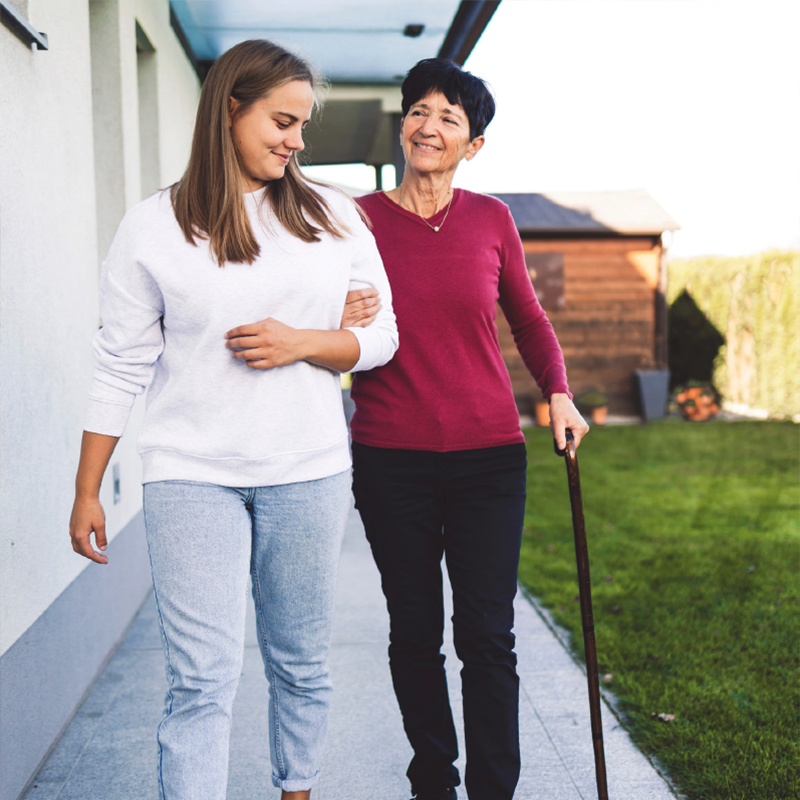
column 49, row 267
column 48, row 302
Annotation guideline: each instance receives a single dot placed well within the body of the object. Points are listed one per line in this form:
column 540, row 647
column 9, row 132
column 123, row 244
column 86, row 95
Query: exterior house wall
column 48, row 285
column 606, row 322
column 69, row 168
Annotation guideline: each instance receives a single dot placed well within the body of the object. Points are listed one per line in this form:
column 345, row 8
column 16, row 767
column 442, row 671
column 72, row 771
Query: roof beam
column 469, row 23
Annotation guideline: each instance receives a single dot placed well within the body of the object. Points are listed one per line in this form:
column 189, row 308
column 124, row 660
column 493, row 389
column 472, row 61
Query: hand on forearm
column 87, row 513
column 266, row 344
column 270, row 343
column 361, row 307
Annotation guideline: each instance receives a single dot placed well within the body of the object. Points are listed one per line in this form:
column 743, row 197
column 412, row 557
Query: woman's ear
column 474, row 146
column 233, row 104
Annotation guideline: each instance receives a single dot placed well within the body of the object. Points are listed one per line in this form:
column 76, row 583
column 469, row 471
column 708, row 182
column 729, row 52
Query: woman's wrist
column 338, row 350
column 313, row 345
column 96, row 450
column 86, row 493
column 303, row 345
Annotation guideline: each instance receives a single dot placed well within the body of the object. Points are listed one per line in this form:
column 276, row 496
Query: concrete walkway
column 108, row 751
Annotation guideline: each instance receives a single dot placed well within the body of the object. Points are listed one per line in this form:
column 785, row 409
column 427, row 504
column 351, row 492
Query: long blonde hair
column 208, row 200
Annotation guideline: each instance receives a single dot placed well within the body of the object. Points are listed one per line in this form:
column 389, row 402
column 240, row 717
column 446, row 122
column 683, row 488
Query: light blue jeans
column 204, row 542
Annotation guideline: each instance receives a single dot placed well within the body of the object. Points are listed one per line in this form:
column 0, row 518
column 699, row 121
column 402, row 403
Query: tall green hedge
column 754, row 302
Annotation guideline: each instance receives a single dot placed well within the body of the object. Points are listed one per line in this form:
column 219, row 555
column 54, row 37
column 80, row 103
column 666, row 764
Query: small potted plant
column 541, row 410
column 697, row 401
column 595, row 401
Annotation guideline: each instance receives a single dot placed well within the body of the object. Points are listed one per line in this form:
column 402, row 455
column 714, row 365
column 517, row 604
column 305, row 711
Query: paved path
column 108, row 753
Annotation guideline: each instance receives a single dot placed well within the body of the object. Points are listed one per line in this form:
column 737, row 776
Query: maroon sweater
column 447, row 387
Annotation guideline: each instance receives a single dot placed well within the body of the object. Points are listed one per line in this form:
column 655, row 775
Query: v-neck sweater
column 447, row 388
column 166, row 306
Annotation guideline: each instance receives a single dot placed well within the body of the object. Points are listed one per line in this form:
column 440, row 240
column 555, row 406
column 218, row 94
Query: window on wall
column 547, row 274
column 149, row 157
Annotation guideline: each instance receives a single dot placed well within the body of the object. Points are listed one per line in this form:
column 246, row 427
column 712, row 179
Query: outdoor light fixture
column 413, row 31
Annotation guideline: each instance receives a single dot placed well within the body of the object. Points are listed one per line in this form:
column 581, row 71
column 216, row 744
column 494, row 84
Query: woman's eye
column 282, row 125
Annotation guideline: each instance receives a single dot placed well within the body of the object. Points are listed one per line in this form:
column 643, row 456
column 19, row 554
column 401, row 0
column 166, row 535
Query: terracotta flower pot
column 542, row 412
column 599, row 415
column 697, row 403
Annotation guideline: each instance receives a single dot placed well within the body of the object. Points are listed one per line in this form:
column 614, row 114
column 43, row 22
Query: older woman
column 439, row 457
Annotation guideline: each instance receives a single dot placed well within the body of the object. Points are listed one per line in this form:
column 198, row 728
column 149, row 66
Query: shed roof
column 627, row 212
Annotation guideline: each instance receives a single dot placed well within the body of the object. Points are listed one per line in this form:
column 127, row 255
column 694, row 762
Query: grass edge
column 610, row 700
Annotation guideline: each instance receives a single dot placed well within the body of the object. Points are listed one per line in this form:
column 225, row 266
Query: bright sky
column 697, row 101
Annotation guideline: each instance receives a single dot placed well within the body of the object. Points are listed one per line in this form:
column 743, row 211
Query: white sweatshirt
column 166, row 306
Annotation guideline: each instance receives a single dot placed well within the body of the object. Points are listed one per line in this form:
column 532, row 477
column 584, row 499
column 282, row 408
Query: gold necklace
column 434, row 228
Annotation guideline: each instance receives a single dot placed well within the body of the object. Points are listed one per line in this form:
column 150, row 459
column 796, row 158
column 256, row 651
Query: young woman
column 224, row 296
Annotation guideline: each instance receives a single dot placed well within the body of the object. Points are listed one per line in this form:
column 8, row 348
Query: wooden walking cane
column 585, row 590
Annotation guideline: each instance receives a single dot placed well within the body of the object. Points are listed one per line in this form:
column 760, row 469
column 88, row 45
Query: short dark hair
column 457, row 85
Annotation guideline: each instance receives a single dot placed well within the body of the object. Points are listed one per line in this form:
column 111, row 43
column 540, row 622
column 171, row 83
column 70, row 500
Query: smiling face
column 268, row 132
column 435, row 135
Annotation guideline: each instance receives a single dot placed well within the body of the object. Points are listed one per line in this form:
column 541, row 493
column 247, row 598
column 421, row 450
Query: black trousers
column 468, row 505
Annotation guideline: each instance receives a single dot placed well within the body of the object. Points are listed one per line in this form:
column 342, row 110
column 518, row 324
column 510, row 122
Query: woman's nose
column 428, row 127
column 295, row 142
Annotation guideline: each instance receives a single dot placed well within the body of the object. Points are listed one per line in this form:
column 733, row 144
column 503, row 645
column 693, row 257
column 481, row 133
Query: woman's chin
column 271, row 172
column 426, row 166
column 423, row 169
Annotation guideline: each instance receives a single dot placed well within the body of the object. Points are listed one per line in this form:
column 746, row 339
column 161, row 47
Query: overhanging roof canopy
column 350, row 41
column 355, row 43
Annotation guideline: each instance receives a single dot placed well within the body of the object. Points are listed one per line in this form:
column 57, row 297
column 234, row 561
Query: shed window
column 547, row 274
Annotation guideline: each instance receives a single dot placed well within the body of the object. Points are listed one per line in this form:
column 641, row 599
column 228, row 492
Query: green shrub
column 754, row 302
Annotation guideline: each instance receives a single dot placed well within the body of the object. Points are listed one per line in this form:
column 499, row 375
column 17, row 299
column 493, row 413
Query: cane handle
column 570, row 438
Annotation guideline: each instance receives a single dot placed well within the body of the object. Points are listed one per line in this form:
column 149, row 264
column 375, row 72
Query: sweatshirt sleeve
column 378, row 342
column 533, row 334
column 128, row 345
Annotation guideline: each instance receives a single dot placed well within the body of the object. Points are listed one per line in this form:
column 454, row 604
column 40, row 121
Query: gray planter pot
column 653, row 392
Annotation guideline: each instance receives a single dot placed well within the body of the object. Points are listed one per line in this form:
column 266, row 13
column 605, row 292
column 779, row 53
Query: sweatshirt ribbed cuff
column 551, row 390
column 370, row 349
column 109, row 419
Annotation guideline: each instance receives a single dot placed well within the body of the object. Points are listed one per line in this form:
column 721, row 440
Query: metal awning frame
column 22, row 27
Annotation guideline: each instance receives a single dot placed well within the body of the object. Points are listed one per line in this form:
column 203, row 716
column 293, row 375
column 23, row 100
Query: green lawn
column 694, row 543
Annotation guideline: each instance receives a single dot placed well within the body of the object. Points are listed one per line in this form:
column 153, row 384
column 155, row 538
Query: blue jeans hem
column 295, row 785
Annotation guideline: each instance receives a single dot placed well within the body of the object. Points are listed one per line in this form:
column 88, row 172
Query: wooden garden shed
column 596, row 260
